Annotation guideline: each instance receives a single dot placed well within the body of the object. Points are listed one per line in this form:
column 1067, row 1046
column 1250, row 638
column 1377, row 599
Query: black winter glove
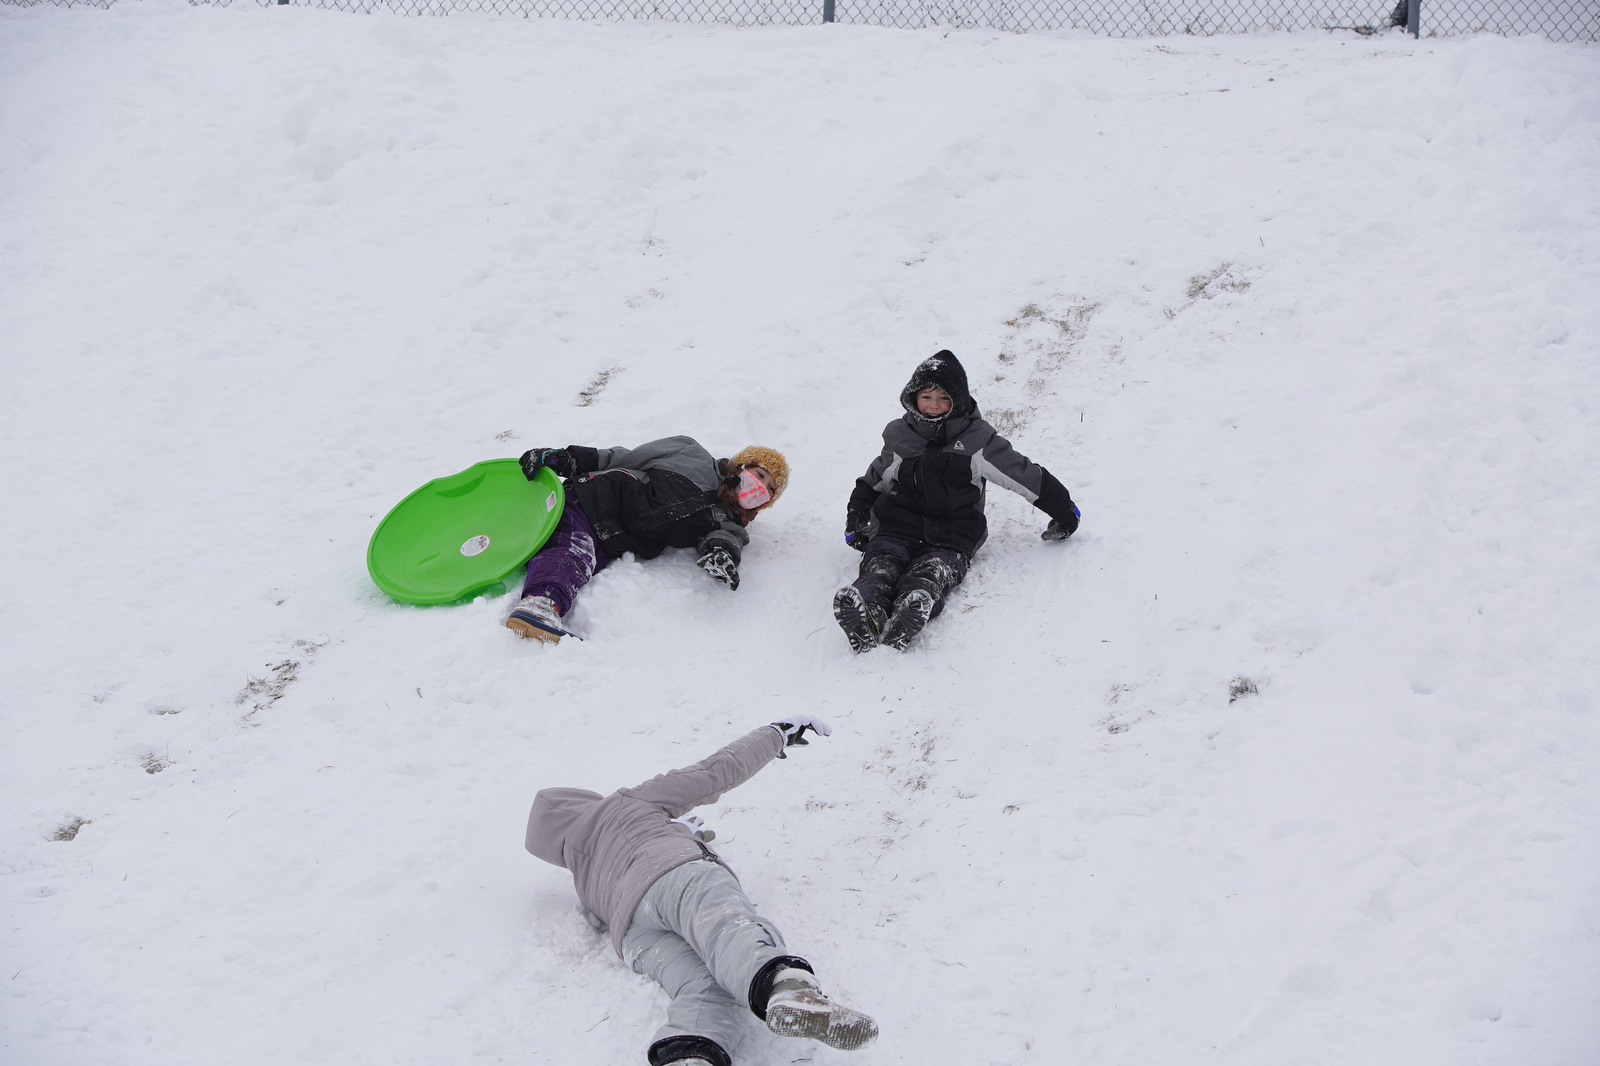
column 855, row 529
column 718, row 562
column 794, row 729
column 557, row 459
column 1062, row 528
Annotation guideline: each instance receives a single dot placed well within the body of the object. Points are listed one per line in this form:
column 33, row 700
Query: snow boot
column 688, row 1050
column 538, row 617
column 797, row 1007
column 910, row 615
column 861, row 621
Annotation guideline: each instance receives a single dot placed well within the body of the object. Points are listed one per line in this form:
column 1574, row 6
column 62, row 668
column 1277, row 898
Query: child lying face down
column 917, row 513
column 677, row 913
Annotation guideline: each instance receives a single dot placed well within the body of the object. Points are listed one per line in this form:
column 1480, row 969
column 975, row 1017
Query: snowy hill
column 1309, row 325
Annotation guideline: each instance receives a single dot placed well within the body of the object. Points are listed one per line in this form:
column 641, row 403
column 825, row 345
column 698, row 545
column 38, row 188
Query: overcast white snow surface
column 1309, row 324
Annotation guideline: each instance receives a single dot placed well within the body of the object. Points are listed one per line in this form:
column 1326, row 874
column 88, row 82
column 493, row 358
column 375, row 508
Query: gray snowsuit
column 674, row 909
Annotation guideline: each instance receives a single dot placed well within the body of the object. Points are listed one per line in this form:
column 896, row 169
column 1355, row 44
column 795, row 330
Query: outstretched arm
column 589, row 460
column 680, row 791
column 578, row 459
column 1002, row 464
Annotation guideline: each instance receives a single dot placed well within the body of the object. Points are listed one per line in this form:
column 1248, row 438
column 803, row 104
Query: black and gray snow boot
column 797, row 1007
column 861, row 621
column 688, row 1051
column 911, row 613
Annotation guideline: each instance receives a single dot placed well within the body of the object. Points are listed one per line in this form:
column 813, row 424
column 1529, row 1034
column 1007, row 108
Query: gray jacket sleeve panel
column 871, row 485
column 604, row 457
column 999, row 462
column 898, row 441
column 881, row 465
column 886, row 479
column 680, row 791
column 983, row 469
column 681, row 455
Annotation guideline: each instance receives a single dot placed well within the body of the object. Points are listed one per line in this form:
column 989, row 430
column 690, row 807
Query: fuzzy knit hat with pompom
column 769, row 459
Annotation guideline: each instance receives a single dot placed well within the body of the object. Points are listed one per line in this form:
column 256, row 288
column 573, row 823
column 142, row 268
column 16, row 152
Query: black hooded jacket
column 659, row 495
column 928, row 484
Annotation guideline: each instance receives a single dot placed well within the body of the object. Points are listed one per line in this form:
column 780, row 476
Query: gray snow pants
column 696, row 934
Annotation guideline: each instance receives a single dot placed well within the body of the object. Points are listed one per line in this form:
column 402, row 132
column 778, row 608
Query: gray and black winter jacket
column 928, row 484
column 659, row 495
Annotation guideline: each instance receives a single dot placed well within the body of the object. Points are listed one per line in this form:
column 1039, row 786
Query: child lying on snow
column 917, row 514
column 677, row 913
column 667, row 493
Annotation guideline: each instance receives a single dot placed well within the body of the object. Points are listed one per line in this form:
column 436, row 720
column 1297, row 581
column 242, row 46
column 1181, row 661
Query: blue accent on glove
column 1061, row 530
column 855, row 529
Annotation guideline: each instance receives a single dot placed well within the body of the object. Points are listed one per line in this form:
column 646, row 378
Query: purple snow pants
column 567, row 561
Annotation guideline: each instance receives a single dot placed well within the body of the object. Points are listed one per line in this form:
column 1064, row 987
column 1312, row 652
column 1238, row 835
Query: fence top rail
column 1558, row 20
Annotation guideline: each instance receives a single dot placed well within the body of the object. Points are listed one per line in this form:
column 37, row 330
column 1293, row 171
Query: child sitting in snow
column 917, row 514
column 677, row 913
column 667, row 493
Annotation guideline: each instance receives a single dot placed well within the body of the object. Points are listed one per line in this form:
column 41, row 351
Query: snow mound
column 1287, row 756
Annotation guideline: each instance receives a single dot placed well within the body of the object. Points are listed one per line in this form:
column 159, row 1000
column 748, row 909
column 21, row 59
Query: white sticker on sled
column 475, row 545
column 550, row 502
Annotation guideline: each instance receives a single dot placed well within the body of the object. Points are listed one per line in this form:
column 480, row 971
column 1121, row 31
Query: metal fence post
column 1413, row 17
column 827, row 10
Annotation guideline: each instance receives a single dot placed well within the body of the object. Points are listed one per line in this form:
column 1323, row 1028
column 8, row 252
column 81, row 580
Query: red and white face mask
column 752, row 493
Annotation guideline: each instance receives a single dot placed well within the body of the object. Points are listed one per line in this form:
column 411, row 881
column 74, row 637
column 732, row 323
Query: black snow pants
column 891, row 568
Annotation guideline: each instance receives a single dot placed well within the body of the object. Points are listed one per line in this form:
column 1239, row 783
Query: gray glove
column 718, row 562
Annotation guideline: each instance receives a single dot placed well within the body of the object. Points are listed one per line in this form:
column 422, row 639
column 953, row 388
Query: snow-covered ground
column 1309, row 324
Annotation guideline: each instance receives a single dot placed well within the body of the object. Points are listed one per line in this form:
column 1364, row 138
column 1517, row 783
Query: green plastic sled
column 461, row 534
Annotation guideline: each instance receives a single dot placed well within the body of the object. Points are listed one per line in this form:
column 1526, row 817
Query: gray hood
column 555, row 811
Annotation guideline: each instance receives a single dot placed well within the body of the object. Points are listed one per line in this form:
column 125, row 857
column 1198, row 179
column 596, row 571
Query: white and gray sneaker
column 538, row 617
column 797, row 1007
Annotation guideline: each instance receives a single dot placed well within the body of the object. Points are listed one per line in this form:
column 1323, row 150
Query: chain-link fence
column 1559, row 20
